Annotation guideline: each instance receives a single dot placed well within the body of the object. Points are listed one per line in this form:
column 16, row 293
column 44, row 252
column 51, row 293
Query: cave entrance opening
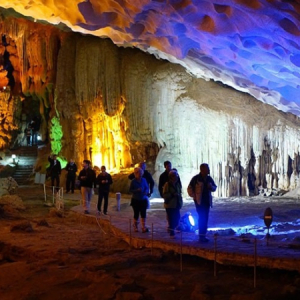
column 31, row 122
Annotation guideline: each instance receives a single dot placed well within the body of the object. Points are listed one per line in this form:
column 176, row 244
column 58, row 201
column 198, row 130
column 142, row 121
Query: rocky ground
column 45, row 254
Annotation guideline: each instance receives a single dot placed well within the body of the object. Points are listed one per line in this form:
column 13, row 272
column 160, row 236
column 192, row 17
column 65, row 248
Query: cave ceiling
column 250, row 45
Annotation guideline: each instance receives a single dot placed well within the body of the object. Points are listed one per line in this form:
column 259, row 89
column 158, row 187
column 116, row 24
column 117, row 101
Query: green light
column 56, row 135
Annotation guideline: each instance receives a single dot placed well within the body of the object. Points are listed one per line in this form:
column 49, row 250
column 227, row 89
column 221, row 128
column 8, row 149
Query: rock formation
column 252, row 46
column 118, row 106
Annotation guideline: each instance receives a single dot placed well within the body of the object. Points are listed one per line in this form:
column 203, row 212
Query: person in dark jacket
column 103, row 181
column 200, row 188
column 28, row 131
column 147, row 176
column 55, row 170
column 35, row 125
column 164, row 177
column 87, row 177
column 71, row 168
column 172, row 201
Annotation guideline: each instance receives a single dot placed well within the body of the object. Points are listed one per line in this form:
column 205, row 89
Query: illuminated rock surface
column 120, row 106
column 252, row 46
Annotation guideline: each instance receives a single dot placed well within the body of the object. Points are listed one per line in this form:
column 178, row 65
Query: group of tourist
column 141, row 187
column 200, row 188
column 87, row 181
column 170, row 188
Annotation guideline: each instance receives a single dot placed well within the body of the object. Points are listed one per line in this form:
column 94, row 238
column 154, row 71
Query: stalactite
column 113, row 103
column 96, row 98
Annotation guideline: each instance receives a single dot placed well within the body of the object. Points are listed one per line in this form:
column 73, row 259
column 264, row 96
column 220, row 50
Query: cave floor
column 237, row 232
column 47, row 253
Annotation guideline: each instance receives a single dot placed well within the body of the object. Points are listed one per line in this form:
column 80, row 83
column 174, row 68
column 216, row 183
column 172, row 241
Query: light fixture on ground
column 14, row 158
column 187, row 222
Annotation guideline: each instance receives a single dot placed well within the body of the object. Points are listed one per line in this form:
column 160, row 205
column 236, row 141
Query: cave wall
column 28, row 60
column 118, row 106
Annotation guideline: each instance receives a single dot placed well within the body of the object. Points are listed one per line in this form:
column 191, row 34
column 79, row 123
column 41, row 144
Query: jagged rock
column 43, row 223
column 24, row 226
column 8, row 186
column 114, row 105
column 10, row 206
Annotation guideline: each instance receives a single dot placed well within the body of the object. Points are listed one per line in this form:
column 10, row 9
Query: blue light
column 191, row 219
column 187, row 222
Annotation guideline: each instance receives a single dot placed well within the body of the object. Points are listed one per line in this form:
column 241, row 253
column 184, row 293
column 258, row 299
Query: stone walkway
column 224, row 247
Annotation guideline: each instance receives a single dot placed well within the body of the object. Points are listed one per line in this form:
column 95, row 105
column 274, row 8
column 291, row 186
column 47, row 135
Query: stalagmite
column 119, row 106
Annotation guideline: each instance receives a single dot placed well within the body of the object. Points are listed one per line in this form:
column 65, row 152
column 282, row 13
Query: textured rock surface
column 249, row 45
column 120, row 106
column 8, row 186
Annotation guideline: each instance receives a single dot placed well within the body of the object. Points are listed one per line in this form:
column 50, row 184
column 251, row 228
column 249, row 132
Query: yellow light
column 109, row 141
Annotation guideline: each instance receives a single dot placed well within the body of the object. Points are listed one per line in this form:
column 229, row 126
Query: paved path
column 248, row 246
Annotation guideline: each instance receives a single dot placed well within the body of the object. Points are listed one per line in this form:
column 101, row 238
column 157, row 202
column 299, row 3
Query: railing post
column 215, row 258
column 180, row 250
column 255, row 262
column 152, row 239
column 130, row 232
column 45, row 195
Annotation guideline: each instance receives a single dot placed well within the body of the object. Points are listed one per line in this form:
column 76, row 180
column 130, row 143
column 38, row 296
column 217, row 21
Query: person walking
column 103, row 181
column 87, row 177
column 28, row 131
column 172, row 201
column 139, row 189
column 200, row 188
column 147, row 176
column 71, row 168
column 55, row 170
column 163, row 179
column 35, row 125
